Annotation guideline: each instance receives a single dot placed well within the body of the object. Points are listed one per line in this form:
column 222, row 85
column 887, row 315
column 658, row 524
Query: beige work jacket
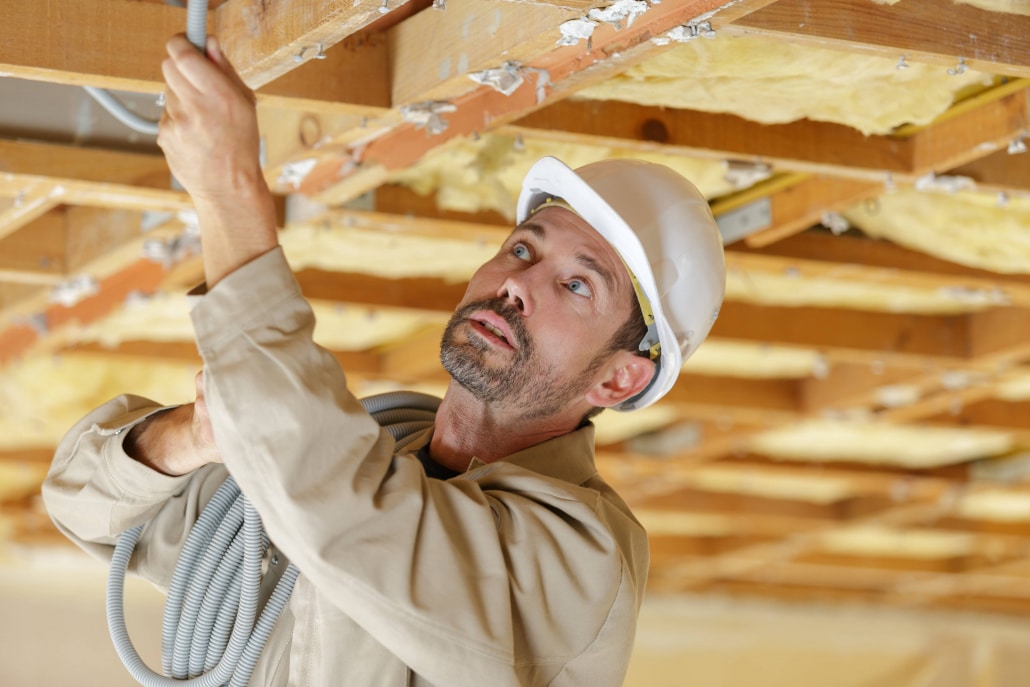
column 525, row 571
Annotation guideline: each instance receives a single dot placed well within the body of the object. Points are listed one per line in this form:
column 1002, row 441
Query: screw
column 321, row 53
column 902, row 64
column 384, row 8
column 960, row 68
column 299, row 57
column 1017, row 146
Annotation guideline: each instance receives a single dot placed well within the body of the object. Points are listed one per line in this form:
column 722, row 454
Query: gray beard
column 524, row 384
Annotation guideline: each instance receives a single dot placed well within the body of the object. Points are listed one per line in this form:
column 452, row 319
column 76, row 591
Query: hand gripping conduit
column 209, row 634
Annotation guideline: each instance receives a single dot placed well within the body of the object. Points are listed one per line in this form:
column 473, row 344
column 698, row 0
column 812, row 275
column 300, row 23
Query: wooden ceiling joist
column 922, row 30
column 608, row 51
column 964, row 134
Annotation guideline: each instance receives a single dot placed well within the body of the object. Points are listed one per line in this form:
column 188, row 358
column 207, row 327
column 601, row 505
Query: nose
column 515, row 290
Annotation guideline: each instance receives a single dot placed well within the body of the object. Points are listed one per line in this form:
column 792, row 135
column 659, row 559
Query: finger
column 179, row 87
column 198, row 382
column 214, row 52
column 194, row 66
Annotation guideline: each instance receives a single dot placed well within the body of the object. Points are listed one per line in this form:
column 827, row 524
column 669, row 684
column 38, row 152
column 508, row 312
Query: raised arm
column 209, row 135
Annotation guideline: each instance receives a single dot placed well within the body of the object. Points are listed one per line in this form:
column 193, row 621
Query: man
column 489, row 551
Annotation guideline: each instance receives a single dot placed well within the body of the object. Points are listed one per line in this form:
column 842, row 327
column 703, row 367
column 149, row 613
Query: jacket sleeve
column 465, row 583
column 95, row 491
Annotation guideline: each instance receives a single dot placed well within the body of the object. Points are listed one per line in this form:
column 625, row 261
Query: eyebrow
column 587, row 261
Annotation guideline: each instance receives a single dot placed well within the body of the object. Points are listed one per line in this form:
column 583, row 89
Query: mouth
column 493, row 329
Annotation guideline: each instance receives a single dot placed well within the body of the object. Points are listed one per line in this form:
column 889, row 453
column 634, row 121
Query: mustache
column 506, row 310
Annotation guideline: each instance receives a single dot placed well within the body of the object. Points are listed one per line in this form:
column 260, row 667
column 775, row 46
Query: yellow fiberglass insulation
column 774, row 82
column 486, row 174
column 971, row 229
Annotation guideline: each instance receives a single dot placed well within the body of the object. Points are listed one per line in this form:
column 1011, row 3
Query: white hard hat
column 663, row 229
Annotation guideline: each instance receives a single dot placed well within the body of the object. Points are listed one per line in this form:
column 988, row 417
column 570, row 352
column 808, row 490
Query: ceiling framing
column 905, row 480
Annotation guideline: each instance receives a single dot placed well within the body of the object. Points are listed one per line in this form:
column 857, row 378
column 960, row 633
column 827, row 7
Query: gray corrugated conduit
column 196, row 32
column 209, row 635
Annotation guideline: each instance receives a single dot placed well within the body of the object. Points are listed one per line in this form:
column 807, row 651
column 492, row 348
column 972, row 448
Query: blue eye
column 579, row 287
column 520, row 251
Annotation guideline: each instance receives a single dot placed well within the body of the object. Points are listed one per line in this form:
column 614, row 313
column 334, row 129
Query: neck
column 467, row 428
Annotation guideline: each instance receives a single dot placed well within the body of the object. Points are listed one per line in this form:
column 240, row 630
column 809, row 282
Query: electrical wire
column 209, row 634
column 196, row 32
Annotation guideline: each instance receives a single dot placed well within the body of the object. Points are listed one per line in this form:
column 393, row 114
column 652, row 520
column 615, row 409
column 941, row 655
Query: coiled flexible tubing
column 209, row 635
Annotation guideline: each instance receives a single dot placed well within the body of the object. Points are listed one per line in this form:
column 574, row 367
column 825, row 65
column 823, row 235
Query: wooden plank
column 922, row 30
column 970, row 130
column 142, row 275
column 263, row 38
column 846, row 250
column 999, row 288
column 989, row 412
column 32, row 200
column 804, row 204
column 801, row 146
column 363, row 363
column 422, row 293
column 37, row 248
column 76, row 43
column 116, row 45
column 481, row 34
column 965, row 133
column 717, row 391
column 1000, row 172
column 33, row 455
column 569, row 68
column 869, row 333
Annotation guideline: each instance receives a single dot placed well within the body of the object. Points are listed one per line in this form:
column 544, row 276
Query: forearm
column 236, row 228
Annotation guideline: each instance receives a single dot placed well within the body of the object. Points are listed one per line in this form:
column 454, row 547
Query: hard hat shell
column 663, row 229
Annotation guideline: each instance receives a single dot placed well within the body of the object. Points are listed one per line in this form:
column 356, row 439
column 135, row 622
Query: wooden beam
column 999, row 288
column 116, row 45
column 30, row 455
column 999, row 172
column 869, row 333
column 841, row 252
column 922, row 30
column 805, row 203
column 716, row 392
column 568, row 68
column 481, row 34
column 265, row 39
column 36, row 253
column 31, row 199
column 121, row 45
column 422, row 293
column 143, row 275
column 989, row 412
column 801, row 146
column 87, row 176
column 972, row 129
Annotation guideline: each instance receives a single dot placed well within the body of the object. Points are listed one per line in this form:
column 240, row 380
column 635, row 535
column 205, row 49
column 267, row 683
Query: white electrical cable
column 196, row 32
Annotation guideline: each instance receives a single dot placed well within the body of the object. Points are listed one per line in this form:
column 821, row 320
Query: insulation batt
column 774, row 82
column 966, row 228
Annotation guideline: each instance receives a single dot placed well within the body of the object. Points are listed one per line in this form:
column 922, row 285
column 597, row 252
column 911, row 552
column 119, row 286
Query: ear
column 625, row 376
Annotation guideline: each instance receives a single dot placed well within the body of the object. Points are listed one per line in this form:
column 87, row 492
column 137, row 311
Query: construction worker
column 487, row 552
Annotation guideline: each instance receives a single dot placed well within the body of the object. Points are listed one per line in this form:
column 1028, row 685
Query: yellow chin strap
column 651, row 344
